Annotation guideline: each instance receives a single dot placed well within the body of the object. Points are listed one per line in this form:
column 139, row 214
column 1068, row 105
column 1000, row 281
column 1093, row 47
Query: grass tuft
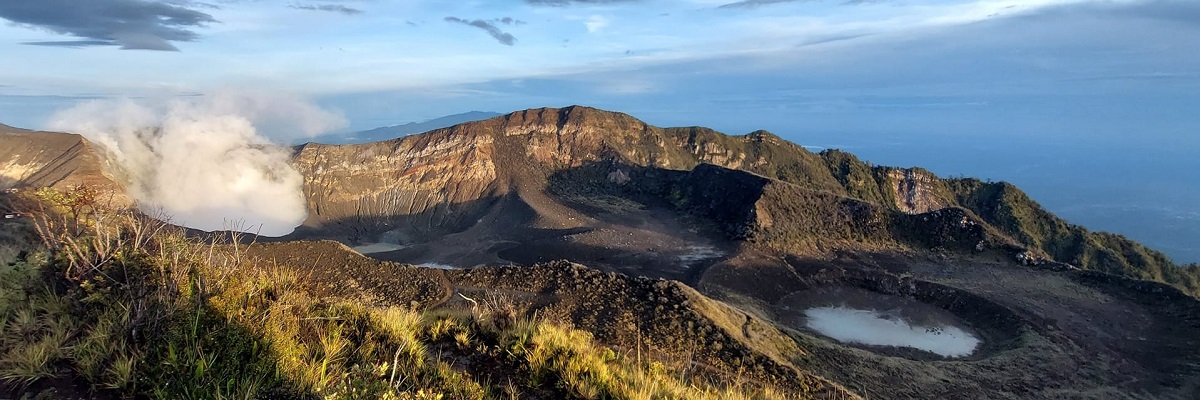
column 31, row 362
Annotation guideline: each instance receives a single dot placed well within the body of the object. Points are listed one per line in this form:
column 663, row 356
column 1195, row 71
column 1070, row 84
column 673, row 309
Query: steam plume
column 207, row 160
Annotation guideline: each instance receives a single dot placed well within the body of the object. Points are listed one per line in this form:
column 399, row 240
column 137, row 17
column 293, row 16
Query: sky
column 1102, row 94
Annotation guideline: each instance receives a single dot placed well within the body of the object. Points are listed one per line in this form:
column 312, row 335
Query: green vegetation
column 16, row 236
column 860, row 179
column 1014, row 213
column 122, row 305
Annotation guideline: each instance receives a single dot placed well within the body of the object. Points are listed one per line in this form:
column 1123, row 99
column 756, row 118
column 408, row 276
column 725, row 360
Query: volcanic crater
column 748, row 255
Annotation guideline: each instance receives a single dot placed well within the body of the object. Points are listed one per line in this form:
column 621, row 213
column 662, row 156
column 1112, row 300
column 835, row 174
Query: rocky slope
column 57, row 160
column 666, row 320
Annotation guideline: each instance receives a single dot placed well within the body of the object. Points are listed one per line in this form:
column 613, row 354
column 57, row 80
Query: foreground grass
column 126, row 307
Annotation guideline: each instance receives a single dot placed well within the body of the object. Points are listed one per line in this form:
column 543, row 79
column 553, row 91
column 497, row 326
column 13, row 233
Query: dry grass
column 139, row 309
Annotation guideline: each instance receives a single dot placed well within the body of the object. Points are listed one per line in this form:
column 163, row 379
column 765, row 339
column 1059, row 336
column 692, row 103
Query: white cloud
column 377, row 51
column 203, row 160
column 595, row 23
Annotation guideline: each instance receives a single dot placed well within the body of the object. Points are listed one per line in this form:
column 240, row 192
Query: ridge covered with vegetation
column 1015, row 214
column 1000, row 204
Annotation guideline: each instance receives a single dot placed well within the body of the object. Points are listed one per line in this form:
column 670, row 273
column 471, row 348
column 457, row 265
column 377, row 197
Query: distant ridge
column 395, row 131
column 9, row 129
column 59, row 160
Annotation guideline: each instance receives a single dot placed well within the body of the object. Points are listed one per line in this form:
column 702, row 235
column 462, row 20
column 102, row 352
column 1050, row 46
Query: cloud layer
column 560, row 3
column 759, row 3
column 335, row 8
column 131, row 24
column 504, row 38
column 203, row 161
column 755, row 3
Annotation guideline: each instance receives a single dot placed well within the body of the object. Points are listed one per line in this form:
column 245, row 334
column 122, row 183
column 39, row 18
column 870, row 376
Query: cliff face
column 448, row 171
column 444, row 180
column 570, row 137
column 917, row 191
column 416, row 175
column 57, row 160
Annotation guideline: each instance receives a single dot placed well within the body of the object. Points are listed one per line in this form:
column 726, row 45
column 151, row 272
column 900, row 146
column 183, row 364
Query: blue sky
column 670, row 61
column 1113, row 85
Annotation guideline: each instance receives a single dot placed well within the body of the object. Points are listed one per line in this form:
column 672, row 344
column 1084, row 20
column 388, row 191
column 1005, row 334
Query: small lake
column 861, row 317
column 883, row 328
column 436, row 265
column 371, row 248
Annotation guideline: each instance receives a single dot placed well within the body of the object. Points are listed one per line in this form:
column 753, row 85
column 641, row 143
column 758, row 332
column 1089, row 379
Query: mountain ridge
column 57, row 160
column 393, row 131
column 447, row 178
column 570, row 137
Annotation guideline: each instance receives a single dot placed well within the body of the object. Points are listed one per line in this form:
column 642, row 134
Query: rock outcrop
column 33, row 159
column 918, row 191
column 435, row 176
